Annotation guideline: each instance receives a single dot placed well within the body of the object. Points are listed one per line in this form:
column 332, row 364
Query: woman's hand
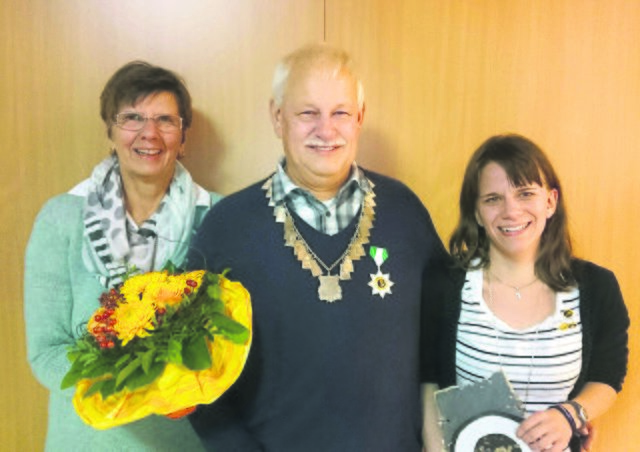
column 587, row 435
column 546, row 431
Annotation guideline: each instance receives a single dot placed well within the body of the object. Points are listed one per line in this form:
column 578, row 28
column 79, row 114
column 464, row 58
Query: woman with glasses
column 139, row 208
column 517, row 301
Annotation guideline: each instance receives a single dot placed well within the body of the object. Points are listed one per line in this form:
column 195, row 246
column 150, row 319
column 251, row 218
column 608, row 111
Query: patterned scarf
column 107, row 250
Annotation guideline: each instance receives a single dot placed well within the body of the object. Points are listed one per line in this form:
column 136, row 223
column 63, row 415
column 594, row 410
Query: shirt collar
column 283, row 186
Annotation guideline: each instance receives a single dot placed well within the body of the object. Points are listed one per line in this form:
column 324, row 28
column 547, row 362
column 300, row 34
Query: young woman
column 517, row 300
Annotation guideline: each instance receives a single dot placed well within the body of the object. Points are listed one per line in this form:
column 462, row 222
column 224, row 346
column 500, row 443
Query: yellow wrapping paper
column 178, row 387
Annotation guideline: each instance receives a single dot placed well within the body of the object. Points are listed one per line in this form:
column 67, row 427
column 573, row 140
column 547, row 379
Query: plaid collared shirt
column 329, row 217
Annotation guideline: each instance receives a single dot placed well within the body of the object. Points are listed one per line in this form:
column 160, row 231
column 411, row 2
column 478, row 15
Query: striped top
column 542, row 362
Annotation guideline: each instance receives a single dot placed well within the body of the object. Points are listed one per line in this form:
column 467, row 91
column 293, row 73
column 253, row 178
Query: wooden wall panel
column 55, row 57
column 442, row 76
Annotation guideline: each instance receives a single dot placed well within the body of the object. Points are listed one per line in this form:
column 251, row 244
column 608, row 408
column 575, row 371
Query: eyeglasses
column 135, row 121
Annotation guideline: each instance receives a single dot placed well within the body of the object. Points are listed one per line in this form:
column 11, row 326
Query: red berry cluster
column 110, row 299
column 103, row 330
column 192, row 285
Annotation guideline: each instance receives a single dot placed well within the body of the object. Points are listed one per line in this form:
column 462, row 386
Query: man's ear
column 275, row 112
column 361, row 115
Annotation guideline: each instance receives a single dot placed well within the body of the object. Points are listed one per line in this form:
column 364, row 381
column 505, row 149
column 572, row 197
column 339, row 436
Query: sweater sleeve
column 434, row 280
column 47, row 296
column 610, row 332
column 428, row 330
column 439, row 325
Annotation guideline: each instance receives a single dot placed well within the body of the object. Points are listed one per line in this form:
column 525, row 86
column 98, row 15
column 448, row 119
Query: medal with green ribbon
column 380, row 283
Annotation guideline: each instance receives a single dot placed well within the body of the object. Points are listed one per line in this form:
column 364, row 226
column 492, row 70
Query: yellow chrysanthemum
column 134, row 319
column 136, row 285
column 146, row 293
column 172, row 290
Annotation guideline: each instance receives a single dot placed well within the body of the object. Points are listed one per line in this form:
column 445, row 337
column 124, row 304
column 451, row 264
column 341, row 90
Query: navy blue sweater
column 321, row 377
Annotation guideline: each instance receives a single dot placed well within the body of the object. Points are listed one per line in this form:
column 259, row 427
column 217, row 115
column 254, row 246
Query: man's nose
column 325, row 128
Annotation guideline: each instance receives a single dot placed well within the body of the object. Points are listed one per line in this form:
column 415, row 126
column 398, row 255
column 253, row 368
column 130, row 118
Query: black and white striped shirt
column 542, row 362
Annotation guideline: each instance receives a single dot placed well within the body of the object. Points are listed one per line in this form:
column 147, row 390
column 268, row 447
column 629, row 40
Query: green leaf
column 131, row 271
column 215, row 305
column 128, row 370
column 140, row 378
column 195, row 354
column 73, row 375
column 147, row 360
column 214, row 291
column 174, row 351
column 88, row 357
column 108, row 388
column 96, row 387
column 170, row 267
column 73, row 354
column 98, row 369
column 123, row 359
column 229, row 328
column 212, row 278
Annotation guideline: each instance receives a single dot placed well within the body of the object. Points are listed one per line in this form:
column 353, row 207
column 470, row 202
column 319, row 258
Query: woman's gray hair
column 313, row 55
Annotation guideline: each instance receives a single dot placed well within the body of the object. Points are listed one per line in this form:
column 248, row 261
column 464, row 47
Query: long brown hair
column 525, row 163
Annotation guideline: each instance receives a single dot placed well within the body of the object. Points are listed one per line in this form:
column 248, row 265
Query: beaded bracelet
column 567, row 416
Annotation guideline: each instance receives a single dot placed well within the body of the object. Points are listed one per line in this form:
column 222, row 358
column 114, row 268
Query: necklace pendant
column 518, row 295
column 329, row 289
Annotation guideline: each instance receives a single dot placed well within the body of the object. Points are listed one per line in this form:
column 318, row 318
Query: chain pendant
column 329, row 289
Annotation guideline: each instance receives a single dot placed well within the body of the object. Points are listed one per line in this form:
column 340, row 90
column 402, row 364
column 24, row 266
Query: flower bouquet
column 161, row 343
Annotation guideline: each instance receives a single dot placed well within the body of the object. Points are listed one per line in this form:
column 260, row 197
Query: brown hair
column 525, row 163
column 137, row 80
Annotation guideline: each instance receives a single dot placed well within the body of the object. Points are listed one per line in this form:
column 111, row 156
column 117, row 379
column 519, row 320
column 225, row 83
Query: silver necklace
column 516, row 288
column 525, row 399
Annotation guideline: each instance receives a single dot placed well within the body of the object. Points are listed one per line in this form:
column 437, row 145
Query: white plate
column 469, row 434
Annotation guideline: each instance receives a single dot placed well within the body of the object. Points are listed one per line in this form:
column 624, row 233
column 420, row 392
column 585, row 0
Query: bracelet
column 581, row 412
column 567, row 416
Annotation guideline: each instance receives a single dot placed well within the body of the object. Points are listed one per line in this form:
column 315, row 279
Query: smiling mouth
column 324, row 148
column 147, row 152
column 512, row 229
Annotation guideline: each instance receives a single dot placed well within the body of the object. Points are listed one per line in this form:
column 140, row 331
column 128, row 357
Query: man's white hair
column 310, row 56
